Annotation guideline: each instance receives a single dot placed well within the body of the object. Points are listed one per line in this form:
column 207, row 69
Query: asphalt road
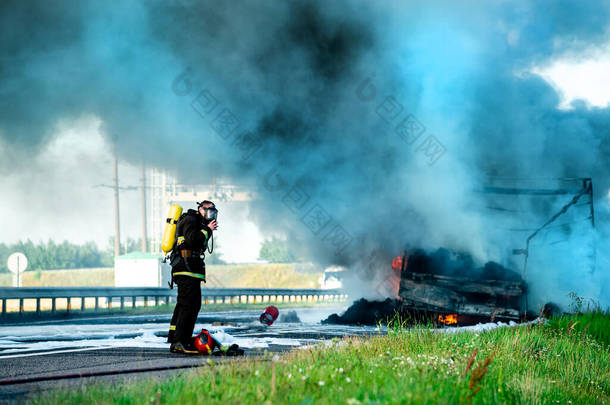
column 83, row 360
column 58, row 348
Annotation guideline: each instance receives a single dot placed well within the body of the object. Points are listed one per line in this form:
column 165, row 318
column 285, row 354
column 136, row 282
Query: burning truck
column 446, row 287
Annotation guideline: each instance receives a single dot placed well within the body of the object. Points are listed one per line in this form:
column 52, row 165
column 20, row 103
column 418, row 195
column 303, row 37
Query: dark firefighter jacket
column 192, row 238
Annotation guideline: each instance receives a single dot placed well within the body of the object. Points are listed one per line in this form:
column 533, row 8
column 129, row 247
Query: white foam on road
column 249, row 333
column 480, row 327
column 486, row 327
column 255, row 342
column 18, row 339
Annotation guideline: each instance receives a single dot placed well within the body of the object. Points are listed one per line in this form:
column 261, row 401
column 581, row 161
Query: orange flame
column 450, row 319
column 397, row 263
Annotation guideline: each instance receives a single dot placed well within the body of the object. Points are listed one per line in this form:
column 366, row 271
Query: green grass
column 551, row 363
column 590, row 323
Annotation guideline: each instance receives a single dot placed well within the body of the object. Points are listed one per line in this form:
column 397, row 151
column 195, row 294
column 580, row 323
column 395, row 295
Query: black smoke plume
column 315, row 93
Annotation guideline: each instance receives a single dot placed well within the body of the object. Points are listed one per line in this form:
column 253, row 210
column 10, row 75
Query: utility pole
column 144, row 233
column 117, row 225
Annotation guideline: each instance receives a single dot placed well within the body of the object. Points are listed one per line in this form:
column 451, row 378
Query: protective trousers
column 186, row 310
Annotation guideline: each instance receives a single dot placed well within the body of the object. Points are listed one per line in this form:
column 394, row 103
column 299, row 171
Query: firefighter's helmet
column 204, row 342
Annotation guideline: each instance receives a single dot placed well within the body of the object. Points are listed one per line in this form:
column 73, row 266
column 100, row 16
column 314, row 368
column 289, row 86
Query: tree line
column 52, row 255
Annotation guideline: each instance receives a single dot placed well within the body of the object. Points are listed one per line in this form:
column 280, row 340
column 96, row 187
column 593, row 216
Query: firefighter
column 193, row 233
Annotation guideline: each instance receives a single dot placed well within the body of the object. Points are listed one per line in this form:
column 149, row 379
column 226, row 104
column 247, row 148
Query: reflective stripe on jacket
column 192, row 238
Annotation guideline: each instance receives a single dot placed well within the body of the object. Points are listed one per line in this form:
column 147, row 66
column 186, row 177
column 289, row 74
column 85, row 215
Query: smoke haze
column 305, row 100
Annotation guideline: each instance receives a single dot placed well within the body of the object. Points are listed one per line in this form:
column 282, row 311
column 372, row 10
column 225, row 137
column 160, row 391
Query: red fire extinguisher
column 269, row 316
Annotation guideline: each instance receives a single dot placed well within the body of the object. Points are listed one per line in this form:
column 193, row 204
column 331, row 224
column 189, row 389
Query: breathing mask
column 210, row 213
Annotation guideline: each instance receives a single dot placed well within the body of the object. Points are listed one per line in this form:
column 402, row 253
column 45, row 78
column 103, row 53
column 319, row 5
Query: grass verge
column 551, row 363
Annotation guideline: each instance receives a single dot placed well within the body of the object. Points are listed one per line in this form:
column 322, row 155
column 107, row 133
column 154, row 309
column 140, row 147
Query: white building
column 139, row 269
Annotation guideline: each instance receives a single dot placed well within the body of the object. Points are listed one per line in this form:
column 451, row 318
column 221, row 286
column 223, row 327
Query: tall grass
column 543, row 363
column 591, row 324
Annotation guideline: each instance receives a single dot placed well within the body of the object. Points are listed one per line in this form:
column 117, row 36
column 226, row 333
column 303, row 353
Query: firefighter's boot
column 183, row 348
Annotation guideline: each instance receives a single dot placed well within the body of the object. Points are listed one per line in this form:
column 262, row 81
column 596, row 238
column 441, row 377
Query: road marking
column 13, row 356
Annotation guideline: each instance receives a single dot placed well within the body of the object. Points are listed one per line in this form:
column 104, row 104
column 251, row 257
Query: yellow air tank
column 169, row 233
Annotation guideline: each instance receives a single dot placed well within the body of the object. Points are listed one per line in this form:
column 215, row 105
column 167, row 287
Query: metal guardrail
column 106, row 296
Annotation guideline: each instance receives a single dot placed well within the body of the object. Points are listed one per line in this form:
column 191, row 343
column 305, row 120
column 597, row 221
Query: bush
column 276, row 250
